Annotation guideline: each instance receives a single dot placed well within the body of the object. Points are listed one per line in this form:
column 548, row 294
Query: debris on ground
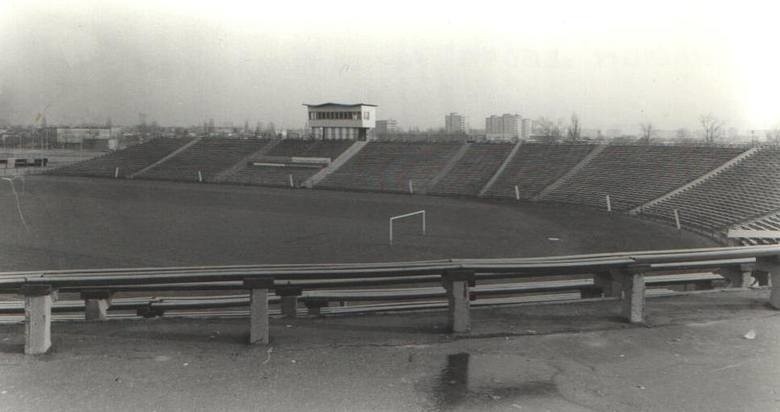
column 751, row 334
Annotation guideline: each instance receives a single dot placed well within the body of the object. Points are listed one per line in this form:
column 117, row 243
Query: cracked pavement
column 692, row 355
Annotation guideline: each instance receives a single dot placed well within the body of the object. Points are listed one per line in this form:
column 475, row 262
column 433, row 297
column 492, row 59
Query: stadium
column 319, row 233
column 220, row 206
column 203, row 202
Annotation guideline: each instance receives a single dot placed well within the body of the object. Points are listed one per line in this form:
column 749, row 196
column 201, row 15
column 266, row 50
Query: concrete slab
column 568, row 357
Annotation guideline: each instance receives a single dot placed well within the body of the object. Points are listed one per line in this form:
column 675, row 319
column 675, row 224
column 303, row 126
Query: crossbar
column 404, row 216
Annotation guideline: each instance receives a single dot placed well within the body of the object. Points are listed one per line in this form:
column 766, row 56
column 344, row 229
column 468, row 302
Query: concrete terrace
column 562, row 356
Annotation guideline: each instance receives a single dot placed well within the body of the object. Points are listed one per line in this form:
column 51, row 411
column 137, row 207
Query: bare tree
column 573, row 131
column 773, row 134
column 647, row 132
column 547, row 131
column 712, row 126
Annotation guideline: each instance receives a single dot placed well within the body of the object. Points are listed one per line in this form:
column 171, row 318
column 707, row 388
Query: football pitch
column 70, row 223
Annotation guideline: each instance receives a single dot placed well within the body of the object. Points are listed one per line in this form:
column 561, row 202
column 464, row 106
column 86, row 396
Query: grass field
column 92, row 223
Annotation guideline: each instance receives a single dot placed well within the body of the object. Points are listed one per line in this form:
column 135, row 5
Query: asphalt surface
column 713, row 351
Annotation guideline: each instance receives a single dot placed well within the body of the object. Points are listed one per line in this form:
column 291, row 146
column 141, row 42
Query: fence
column 618, row 275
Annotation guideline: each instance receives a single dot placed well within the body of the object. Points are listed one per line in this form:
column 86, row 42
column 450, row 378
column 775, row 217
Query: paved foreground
column 706, row 351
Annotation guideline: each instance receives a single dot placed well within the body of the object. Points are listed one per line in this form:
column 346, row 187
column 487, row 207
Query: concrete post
column 37, row 316
column 456, row 282
column 289, row 296
column 96, row 303
column 772, row 267
column 258, row 309
column 634, row 298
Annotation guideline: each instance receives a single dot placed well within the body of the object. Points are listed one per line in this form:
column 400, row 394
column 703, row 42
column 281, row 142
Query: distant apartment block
column 92, row 137
column 336, row 121
column 508, row 127
column 386, row 127
column 455, row 123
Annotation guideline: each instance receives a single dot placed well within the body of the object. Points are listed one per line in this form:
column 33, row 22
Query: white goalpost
column 404, row 216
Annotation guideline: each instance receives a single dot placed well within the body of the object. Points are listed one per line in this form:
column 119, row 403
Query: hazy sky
column 615, row 64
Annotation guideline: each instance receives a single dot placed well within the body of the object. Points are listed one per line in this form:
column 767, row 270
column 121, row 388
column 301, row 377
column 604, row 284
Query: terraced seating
column 747, row 190
column 310, row 148
column 271, row 176
column 536, row 166
column 129, row 160
column 250, row 174
column 770, row 222
column 632, row 175
column 473, row 170
column 389, row 166
column 208, row 156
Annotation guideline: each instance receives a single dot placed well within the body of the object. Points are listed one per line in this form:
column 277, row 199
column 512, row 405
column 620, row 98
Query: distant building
column 91, row 137
column 342, row 121
column 510, row 127
column 455, row 123
column 386, row 127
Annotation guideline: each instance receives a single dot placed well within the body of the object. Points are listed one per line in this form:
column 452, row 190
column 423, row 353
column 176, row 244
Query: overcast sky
column 614, row 64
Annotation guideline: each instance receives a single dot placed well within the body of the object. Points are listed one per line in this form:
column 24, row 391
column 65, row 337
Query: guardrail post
column 258, row 309
column 772, row 266
column 457, row 282
column 96, row 303
column 738, row 277
column 37, row 318
column 289, row 296
column 633, row 304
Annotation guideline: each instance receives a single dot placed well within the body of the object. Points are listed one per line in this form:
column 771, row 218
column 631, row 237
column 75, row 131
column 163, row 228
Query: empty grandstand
column 124, row 162
column 769, row 222
column 632, row 175
column 391, row 166
column 472, row 171
column 536, row 166
column 310, row 148
column 749, row 189
column 207, row 157
column 288, row 163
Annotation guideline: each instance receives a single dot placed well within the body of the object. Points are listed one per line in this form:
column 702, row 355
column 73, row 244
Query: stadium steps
column 223, row 175
column 204, row 160
column 573, row 171
column 335, row 164
column 749, row 188
column 391, row 166
column 473, row 170
column 165, row 159
column 450, row 165
column 731, row 163
column 534, row 167
column 769, row 221
column 500, row 170
column 127, row 160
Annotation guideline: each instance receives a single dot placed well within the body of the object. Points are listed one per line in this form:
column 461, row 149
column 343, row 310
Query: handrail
column 321, row 272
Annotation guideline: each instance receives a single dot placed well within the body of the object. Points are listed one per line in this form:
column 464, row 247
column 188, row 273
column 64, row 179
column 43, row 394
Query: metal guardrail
column 620, row 274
